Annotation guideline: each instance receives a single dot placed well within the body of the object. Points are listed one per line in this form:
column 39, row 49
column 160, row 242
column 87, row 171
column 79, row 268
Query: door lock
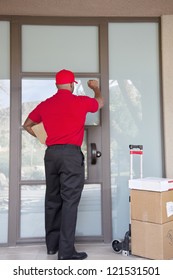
column 94, row 153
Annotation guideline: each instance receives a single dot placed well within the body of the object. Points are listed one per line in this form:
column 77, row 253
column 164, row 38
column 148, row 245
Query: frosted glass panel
column 52, row 48
column 89, row 212
column 4, row 128
column 4, row 50
column 32, row 211
column 134, row 109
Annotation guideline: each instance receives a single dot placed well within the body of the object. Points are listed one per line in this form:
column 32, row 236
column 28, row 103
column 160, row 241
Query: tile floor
column 95, row 251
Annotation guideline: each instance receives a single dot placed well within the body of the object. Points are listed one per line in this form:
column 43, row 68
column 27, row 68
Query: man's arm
column 28, row 126
column 94, row 85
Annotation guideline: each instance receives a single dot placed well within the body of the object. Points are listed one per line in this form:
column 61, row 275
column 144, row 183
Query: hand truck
column 124, row 246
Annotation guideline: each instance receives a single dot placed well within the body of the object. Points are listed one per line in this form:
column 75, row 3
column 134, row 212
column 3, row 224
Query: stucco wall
column 87, row 7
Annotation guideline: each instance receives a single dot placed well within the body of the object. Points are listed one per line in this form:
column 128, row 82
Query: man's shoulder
column 49, row 99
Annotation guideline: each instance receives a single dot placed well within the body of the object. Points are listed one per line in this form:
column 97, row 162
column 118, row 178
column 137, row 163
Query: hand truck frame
column 124, row 246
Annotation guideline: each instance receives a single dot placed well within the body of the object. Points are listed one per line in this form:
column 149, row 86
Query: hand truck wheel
column 117, row 246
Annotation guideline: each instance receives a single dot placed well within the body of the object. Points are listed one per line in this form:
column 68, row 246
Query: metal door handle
column 94, row 153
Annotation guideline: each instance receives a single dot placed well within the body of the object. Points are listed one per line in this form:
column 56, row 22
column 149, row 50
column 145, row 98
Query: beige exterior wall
column 167, row 76
column 116, row 8
column 89, row 8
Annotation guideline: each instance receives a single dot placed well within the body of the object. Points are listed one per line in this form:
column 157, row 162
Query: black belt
column 63, row 146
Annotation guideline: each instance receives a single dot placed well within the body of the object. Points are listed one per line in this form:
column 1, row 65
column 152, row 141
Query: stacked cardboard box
column 152, row 222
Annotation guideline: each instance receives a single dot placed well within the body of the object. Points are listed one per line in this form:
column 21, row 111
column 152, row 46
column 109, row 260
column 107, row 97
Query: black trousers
column 64, row 169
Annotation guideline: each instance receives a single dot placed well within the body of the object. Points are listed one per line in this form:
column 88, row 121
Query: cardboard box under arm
column 40, row 132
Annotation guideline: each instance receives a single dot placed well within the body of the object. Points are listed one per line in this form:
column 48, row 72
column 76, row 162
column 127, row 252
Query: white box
column 151, row 184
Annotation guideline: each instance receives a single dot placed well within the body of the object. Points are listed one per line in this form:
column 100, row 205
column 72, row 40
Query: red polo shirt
column 63, row 116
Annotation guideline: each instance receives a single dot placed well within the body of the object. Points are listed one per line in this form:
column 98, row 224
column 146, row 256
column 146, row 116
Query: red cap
column 65, row 77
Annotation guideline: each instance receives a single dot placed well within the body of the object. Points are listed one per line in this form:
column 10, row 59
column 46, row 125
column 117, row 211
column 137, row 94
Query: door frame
column 16, row 129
